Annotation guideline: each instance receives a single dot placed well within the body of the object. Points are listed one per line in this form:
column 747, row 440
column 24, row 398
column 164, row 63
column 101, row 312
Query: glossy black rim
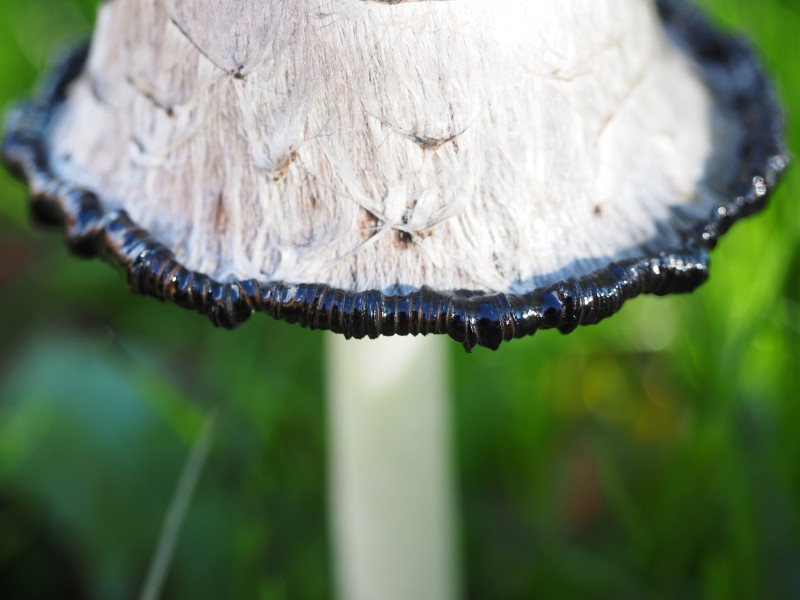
column 731, row 71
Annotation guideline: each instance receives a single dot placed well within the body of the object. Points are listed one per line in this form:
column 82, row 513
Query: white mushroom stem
column 391, row 478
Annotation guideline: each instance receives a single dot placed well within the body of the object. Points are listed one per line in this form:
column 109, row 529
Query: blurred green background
column 656, row 455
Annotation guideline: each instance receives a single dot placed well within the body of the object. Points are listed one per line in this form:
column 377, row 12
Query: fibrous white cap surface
column 490, row 145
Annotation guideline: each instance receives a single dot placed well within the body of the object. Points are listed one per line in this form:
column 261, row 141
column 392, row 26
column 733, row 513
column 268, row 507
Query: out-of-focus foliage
column 654, row 455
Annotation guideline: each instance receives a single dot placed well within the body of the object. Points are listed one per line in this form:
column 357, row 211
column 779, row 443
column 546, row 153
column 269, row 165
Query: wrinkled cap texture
column 480, row 169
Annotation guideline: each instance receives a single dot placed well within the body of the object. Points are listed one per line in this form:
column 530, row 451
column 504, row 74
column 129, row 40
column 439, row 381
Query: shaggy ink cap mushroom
column 480, row 169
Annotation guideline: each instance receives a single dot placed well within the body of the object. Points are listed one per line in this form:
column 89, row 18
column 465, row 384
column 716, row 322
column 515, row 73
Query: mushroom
column 390, row 167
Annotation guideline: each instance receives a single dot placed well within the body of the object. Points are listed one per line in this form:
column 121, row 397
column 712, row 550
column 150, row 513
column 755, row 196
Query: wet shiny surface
column 470, row 318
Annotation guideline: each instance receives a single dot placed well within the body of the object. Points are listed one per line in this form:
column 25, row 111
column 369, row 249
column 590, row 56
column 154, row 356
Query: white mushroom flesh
column 491, row 145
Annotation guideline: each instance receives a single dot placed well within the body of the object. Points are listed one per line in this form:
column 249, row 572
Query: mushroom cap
column 486, row 205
